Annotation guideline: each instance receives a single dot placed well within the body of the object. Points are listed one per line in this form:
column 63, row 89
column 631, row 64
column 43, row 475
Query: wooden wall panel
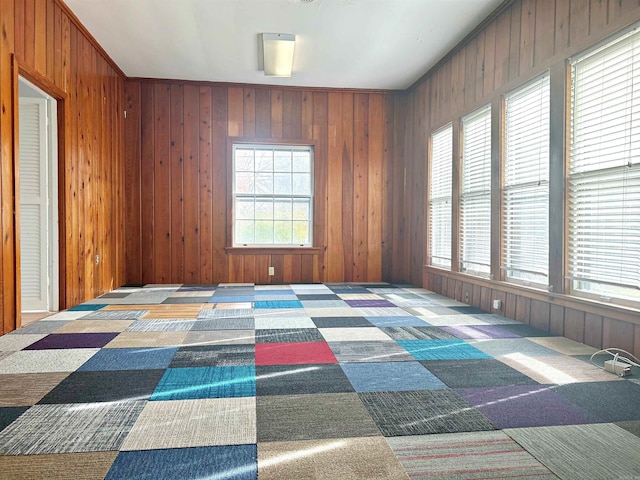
column 181, row 151
column 55, row 53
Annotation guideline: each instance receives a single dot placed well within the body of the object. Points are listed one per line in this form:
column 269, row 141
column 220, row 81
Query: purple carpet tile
column 73, row 340
column 520, row 406
column 369, row 303
column 479, row 331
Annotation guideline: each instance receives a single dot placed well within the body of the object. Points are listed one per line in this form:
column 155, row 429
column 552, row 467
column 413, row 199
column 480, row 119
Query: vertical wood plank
column 527, row 35
column 277, row 262
column 545, row 30
column 523, row 309
column 249, row 113
column 191, row 186
column 387, row 189
column 235, row 121
column 162, row 187
column 479, row 73
column 561, row 40
column 579, row 21
column 593, row 330
column 276, row 114
column 556, row 320
column 347, row 185
column 177, row 126
column 489, row 58
column 263, row 112
column 540, row 312
column 206, row 185
column 514, row 44
column 320, row 135
column 292, row 114
column 219, row 183
column 147, row 180
column 501, row 62
column 307, row 115
column 598, row 15
column 470, row 65
column 574, row 324
column 617, row 334
column 50, row 39
column 132, row 141
column 335, row 267
column 30, row 33
column 374, row 188
column 249, row 271
column 40, row 37
column 360, row 186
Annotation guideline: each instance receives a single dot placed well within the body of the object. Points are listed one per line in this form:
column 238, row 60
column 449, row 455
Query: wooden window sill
column 272, row 250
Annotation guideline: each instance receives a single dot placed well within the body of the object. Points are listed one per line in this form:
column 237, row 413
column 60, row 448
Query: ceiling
column 372, row 44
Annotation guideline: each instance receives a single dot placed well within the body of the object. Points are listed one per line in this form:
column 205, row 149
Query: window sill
column 272, row 250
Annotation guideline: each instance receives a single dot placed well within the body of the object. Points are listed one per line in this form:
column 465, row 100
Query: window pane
column 282, row 232
column 301, row 184
column 264, row 208
column 282, row 183
column 282, row 161
column 301, row 162
column 282, row 210
column 301, row 209
column 244, row 160
column 301, row 232
column 440, row 197
column 244, row 208
column 245, row 182
column 244, row 231
column 264, row 231
column 264, row 183
column 264, row 160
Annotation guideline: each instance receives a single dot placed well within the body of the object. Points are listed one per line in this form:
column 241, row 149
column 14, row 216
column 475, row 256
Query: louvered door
column 33, row 204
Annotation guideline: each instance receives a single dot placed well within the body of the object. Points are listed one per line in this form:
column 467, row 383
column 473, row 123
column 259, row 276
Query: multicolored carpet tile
column 321, row 381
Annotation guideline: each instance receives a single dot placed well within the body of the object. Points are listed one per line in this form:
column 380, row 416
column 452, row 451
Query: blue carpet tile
column 336, row 380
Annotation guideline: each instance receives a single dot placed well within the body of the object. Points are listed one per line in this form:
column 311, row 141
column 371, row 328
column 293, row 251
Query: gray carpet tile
column 40, row 327
column 369, row 351
column 423, row 412
column 577, row 452
column 213, row 356
column 306, row 417
column 221, row 323
column 162, row 325
column 482, row 372
column 417, row 333
column 115, row 315
column 70, row 428
column 280, row 335
column 301, row 379
column 596, row 397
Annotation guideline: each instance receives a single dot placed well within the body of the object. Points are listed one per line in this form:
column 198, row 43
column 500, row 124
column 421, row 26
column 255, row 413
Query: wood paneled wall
column 525, row 39
column 53, row 50
column 177, row 194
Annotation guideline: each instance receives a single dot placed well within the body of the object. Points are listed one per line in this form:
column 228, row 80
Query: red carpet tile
column 294, row 353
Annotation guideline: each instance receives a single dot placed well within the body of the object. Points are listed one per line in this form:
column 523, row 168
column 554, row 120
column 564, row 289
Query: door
column 34, row 221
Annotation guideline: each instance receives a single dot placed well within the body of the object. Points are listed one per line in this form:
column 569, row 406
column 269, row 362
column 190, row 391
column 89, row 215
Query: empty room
column 319, row 239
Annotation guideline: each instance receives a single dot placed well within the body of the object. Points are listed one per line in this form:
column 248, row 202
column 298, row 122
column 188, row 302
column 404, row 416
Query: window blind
column 604, row 176
column 475, row 200
column 440, row 197
column 526, row 183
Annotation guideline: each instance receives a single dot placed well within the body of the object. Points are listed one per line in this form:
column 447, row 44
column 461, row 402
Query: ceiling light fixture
column 277, row 51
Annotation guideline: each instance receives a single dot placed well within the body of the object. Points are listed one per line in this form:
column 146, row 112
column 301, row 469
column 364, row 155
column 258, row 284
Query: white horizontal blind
column 272, row 195
column 604, row 183
column 475, row 201
column 526, row 183
column 440, row 197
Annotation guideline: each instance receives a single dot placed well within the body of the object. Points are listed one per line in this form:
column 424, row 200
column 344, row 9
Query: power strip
column 617, row 367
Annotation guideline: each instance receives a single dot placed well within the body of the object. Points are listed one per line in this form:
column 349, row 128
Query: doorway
column 38, row 165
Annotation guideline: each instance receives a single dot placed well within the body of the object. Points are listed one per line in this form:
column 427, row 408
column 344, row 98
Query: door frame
column 19, row 69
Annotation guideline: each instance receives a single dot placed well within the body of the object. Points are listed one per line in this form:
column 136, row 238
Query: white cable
column 615, row 353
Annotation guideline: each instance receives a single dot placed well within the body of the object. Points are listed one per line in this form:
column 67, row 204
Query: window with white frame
column 604, row 174
column 440, row 197
column 475, row 198
column 526, row 183
column 272, row 195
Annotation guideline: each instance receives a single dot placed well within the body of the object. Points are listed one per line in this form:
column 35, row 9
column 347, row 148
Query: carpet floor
column 321, row 381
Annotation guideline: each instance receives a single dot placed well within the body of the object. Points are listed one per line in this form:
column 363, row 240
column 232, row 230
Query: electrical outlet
column 272, row 271
column 466, row 297
column 497, row 304
column 97, row 259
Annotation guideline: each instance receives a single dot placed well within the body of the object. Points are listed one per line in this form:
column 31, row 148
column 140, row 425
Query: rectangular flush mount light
column 277, row 50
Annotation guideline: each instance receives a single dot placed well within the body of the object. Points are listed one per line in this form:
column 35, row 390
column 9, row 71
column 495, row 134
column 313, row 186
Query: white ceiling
column 373, row 44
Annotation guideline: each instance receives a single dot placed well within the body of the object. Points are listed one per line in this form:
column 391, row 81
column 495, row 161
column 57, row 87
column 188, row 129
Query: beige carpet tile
column 232, row 306
column 360, row 296
column 557, row 369
column 270, row 323
column 564, row 345
column 95, row 326
column 23, row 389
column 194, row 423
column 147, row 339
column 183, row 310
column 15, row 342
column 220, row 337
column 199, row 293
column 577, row 452
column 354, row 334
column 66, row 315
column 62, row 466
column 42, row 361
column 330, row 312
column 472, row 455
column 329, row 459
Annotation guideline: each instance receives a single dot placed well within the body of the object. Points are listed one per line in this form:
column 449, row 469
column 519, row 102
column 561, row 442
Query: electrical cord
column 619, row 365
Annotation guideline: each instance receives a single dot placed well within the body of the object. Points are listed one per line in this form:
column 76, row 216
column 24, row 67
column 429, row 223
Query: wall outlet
column 497, row 304
column 466, row 297
column 97, row 259
column 272, row 271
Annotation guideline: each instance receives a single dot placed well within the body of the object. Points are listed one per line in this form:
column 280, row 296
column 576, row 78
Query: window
column 475, row 201
column 440, row 197
column 272, row 195
column 526, row 183
column 604, row 175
